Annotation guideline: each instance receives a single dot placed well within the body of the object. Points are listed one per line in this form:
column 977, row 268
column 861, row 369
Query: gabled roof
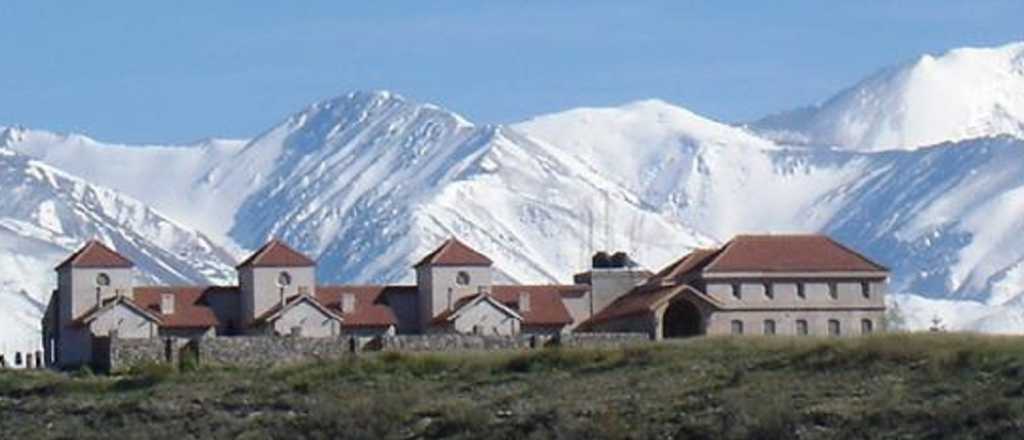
column 276, row 254
column 688, row 263
column 789, row 253
column 110, row 303
column 467, row 302
column 454, row 253
column 278, row 310
column 644, row 299
column 371, row 307
column 192, row 308
column 546, row 304
column 95, row 254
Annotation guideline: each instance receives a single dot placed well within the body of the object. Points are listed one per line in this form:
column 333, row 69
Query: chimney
column 167, row 303
column 99, row 297
column 348, row 302
column 611, row 276
column 485, row 290
column 303, row 290
column 524, row 302
column 281, row 296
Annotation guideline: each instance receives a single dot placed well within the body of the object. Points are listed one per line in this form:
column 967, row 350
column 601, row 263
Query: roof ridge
column 91, row 247
column 297, row 259
column 857, row 254
column 721, row 253
column 454, row 249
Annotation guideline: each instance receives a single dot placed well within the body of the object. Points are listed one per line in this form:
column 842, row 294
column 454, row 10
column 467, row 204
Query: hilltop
column 897, row 385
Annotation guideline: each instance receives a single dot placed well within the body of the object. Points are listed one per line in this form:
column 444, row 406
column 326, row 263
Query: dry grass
column 899, row 385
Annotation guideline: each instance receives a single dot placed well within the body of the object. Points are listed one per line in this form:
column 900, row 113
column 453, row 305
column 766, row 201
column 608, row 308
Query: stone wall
column 114, row 354
column 269, row 350
column 449, row 342
column 601, row 340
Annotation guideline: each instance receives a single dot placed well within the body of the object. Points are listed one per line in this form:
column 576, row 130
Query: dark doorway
column 682, row 319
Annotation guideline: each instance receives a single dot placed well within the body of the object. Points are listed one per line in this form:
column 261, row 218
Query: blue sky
column 178, row 71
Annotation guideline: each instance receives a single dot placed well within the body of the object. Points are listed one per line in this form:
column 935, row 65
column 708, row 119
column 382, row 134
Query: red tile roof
column 638, row 300
column 276, row 254
column 371, row 308
column 687, row 264
column 191, row 304
column 643, row 299
column 462, row 302
column 454, row 253
column 546, row 305
column 273, row 312
column 111, row 302
column 96, row 255
column 789, row 253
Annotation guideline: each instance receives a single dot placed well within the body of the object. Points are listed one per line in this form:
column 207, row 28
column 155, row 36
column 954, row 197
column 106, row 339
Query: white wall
column 816, row 293
column 489, row 318
column 128, row 323
column 262, row 292
column 81, row 283
column 434, row 283
column 314, row 323
column 720, row 322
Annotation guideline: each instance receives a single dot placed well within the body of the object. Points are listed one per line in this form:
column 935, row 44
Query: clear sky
column 171, row 71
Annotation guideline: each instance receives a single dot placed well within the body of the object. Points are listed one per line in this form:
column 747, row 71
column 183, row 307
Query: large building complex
column 772, row 284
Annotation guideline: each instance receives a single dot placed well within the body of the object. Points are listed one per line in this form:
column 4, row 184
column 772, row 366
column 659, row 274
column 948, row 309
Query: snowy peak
column 11, row 135
column 643, row 146
column 342, row 154
column 965, row 93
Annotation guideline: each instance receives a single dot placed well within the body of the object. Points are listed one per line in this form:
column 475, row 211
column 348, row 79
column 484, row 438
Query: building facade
column 796, row 285
column 764, row 285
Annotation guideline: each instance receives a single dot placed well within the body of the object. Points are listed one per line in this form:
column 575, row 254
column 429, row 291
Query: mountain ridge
column 916, row 104
column 367, row 182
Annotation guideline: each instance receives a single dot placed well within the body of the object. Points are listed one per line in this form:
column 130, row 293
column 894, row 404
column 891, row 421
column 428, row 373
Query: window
column 801, row 327
column 284, row 279
column 769, row 291
column 737, row 327
column 102, row 280
column 865, row 289
column 801, row 291
column 462, row 278
column 737, row 291
column 866, row 326
column 769, row 327
column 833, row 290
column 834, row 327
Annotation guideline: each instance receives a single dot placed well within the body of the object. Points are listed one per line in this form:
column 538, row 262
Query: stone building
column 764, row 285
column 752, row 285
column 277, row 294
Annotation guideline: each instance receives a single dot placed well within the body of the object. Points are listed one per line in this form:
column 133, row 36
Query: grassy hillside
column 907, row 386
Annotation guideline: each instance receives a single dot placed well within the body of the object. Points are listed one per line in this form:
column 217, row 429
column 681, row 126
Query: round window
column 462, row 278
column 103, row 280
column 284, row 279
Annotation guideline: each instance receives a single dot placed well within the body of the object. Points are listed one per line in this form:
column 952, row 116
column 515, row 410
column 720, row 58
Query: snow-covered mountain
column 369, row 181
column 46, row 214
column 963, row 94
column 947, row 219
column 166, row 177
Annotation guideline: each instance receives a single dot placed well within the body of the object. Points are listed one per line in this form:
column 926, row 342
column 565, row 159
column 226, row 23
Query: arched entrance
column 682, row 319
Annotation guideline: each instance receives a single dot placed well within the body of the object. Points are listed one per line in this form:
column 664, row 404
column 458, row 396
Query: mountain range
column 918, row 166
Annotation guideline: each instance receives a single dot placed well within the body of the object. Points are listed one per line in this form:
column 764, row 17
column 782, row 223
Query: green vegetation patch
column 885, row 386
